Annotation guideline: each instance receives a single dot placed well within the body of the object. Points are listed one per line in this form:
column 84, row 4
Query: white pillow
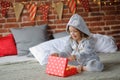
column 43, row 50
column 104, row 43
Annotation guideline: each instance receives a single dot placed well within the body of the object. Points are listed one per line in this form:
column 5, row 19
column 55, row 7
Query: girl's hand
column 55, row 54
column 72, row 58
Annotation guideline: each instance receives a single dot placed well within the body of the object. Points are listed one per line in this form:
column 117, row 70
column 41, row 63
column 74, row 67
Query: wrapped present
column 58, row 66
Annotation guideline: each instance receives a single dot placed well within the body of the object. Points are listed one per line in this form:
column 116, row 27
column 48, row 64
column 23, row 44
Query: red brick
column 112, row 22
column 0, row 15
column 59, row 30
column 80, row 9
column 117, row 3
column 24, row 0
column 93, row 19
column 84, row 14
column 93, row 4
column 117, row 36
column 51, row 31
column 100, row 24
column 106, row 28
column 50, row 22
column 3, row 30
column 51, row 17
column 51, row 27
column 11, row 25
column 27, row 24
column 108, row 8
column 94, row 9
column 113, row 12
column 37, row 18
column 99, row 32
column 11, row 0
column 117, row 39
column 2, row 20
column 25, row 14
column 95, row 29
column 25, row 18
column 11, row 10
column 67, row 16
column 37, row 12
column 41, row 22
column 11, row 16
column 65, row 11
column 61, row 21
column 109, row 18
column 11, row 20
column 118, row 7
column 97, row 14
column 115, row 27
column 118, row 17
column 113, row 32
column 0, row 35
column 0, row 25
column 61, row 26
column 79, row 5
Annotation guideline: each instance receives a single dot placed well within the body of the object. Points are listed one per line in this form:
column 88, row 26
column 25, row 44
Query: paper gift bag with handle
column 58, row 66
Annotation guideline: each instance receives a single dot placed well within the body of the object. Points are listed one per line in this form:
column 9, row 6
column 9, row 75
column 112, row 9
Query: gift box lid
column 56, row 65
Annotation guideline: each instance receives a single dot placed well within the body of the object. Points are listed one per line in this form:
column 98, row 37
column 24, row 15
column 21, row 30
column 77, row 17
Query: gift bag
column 58, row 66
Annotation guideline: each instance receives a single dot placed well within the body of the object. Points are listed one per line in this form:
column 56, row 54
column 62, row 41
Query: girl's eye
column 73, row 31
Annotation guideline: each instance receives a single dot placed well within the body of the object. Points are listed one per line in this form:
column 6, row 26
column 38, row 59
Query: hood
column 78, row 22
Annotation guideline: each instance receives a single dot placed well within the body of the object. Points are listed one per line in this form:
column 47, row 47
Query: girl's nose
column 71, row 33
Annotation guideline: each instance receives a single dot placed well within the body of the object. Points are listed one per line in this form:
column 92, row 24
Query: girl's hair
column 83, row 35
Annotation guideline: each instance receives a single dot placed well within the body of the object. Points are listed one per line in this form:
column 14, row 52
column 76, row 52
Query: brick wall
column 104, row 20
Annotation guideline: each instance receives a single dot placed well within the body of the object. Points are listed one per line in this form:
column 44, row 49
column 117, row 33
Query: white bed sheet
column 14, row 59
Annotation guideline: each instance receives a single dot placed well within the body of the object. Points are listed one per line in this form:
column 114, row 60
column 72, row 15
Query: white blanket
column 104, row 44
column 43, row 50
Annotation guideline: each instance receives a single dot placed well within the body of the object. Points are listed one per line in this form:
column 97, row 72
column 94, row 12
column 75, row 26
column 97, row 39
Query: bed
column 22, row 68
column 33, row 68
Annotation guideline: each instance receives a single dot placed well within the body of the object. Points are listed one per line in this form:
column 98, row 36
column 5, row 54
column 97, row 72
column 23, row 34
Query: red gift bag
column 58, row 66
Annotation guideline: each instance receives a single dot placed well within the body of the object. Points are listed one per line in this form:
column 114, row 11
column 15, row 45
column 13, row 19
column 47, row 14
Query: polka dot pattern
column 58, row 66
column 85, row 4
column 5, row 6
column 44, row 10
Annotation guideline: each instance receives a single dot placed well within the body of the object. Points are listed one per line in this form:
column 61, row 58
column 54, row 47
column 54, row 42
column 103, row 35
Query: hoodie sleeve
column 88, row 46
column 67, row 50
column 87, row 52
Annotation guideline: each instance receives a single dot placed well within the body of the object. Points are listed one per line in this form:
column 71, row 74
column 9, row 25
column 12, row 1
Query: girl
column 80, row 46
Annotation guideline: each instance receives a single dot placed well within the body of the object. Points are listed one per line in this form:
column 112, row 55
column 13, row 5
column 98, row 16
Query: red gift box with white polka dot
column 58, row 66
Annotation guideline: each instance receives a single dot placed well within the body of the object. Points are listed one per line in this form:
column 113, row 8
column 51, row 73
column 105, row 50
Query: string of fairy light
column 106, row 2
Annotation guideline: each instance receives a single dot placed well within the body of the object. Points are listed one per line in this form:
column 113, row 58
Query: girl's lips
column 73, row 36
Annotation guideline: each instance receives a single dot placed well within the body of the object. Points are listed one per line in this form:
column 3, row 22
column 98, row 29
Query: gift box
column 58, row 66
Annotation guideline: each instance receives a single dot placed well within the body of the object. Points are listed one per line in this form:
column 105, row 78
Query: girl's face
column 75, row 33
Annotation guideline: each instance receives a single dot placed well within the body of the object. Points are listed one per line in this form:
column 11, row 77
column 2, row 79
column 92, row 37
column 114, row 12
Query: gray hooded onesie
column 84, row 51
